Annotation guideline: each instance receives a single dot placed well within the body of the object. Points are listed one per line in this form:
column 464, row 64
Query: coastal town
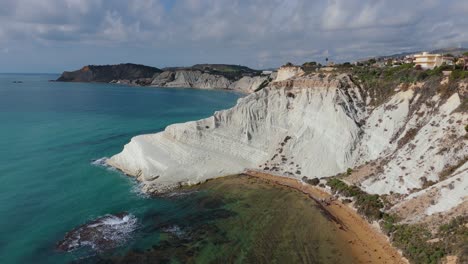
column 424, row 60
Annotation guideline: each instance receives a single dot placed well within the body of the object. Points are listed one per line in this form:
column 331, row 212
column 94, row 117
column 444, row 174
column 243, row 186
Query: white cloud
column 258, row 32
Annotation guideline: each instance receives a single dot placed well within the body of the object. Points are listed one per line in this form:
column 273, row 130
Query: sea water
column 50, row 134
column 60, row 204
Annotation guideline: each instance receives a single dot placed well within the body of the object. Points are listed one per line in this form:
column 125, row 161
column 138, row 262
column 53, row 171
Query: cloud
column 259, row 33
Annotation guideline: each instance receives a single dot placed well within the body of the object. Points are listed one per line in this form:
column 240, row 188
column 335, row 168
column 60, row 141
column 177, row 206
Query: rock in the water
column 103, row 233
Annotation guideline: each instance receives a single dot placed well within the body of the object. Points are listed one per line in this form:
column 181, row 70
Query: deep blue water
column 49, row 134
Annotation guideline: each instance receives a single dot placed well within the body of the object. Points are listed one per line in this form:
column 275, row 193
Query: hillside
column 108, row 73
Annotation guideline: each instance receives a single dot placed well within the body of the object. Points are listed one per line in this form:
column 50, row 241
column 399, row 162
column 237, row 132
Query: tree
column 310, row 64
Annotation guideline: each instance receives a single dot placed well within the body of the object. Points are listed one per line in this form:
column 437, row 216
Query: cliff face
column 247, row 136
column 288, row 71
column 201, row 80
column 318, row 126
column 189, row 78
column 108, row 73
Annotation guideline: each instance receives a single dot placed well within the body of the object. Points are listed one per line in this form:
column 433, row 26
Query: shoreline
column 366, row 241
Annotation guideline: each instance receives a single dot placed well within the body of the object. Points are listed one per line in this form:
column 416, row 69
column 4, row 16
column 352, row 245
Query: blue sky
column 57, row 35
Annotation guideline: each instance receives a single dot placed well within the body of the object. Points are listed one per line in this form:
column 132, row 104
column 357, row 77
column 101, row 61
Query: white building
column 427, row 60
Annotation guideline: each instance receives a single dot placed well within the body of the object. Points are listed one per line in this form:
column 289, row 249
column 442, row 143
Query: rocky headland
column 201, row 76
column 109, row 73
column 394, row 144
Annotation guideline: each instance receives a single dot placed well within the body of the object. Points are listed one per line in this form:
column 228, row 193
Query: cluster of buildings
column 424, row 60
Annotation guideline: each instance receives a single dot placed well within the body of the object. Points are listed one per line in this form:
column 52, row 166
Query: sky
column 57, row 35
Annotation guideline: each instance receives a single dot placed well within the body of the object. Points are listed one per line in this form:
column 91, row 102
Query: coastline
column 366, row 241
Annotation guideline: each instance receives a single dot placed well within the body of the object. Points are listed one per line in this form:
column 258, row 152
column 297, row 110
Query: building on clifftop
column 428, row 61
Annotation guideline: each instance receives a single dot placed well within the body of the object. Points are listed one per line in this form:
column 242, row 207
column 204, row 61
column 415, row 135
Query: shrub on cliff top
column 367, row 204
column 418, row 244
column 458, row 74
column 413, row 240
column 314, row 181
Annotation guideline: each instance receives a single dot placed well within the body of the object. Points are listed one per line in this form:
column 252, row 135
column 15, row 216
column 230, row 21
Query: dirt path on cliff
column 367, row 243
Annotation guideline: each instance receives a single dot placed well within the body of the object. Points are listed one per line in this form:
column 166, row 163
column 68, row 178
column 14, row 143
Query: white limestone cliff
column 288, row 71
column 249, row 84
column 198, row 79
column 314, row 126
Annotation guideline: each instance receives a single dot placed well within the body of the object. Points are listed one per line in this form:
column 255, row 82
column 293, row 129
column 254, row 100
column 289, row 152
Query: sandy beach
column 367, row 243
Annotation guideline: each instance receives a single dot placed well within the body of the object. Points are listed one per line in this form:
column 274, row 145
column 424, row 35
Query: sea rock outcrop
column 103, row 233
column 317, row 125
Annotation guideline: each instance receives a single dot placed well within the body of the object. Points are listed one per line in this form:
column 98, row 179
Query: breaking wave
column 103, row 233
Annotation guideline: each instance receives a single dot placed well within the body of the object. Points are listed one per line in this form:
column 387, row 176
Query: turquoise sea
column 50, row 132
column 59, row 204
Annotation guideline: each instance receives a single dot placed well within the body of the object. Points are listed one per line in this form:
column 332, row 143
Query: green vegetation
column 264, row 84
column 413, row 240
column 418, row 244
column 458, row 74
column 455, row 237
column 313, row 181
column 232, row 72
column 311, row 66
column 388, row 223
column 367, row 204
column 381, row 82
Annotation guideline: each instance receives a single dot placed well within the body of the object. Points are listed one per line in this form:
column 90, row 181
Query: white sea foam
column 175, row 230
column 137, row 189
column 102, row 162
column 136, row 186
column 178, row 194
column 103, row 233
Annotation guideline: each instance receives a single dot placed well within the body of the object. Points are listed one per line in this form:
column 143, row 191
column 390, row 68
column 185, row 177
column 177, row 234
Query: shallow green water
column 49, row 134
column 241, row 219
